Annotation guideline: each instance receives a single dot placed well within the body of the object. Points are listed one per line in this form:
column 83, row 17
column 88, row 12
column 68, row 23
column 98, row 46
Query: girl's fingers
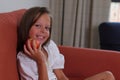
column 34, row 45
column 29, row 46
column 39, row 47
column 26, row 50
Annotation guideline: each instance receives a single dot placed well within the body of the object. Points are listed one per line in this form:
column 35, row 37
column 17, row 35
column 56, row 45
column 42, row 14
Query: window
column 115, row 12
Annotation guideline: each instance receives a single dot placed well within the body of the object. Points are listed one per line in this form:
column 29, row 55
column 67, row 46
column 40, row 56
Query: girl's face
column 41, row 29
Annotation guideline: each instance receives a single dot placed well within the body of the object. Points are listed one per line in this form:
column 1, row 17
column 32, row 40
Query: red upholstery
column 80, row 62
column 85, row 62
column 8, row 38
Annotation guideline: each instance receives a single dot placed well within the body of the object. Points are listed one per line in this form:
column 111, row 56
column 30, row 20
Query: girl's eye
column 37, row 25
column 47, row 28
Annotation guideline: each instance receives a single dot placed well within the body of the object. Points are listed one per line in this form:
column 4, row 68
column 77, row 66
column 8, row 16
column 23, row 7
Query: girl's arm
column 60, row 75
column 39, row 57
column 42, row 71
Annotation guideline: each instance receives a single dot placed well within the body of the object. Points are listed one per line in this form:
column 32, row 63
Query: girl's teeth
column 41, row 37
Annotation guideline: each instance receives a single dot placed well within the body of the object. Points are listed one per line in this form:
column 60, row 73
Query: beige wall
column 10, row 5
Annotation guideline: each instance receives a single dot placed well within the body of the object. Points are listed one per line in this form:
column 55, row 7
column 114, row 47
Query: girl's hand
column 31, row 49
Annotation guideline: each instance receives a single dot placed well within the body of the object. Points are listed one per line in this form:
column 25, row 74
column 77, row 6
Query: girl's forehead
column 44, row 18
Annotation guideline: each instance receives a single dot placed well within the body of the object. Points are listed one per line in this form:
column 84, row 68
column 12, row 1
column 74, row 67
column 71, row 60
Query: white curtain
column 75, row 22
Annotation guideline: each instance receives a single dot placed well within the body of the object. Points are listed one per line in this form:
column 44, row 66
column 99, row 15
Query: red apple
column 37, row 43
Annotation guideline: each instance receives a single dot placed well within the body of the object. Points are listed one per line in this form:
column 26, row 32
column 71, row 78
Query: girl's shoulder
column 52, row 47
column 52, row 44
column 22, row 57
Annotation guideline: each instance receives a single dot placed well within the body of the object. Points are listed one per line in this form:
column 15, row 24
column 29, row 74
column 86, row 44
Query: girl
column 41, row 63
column 44, row 62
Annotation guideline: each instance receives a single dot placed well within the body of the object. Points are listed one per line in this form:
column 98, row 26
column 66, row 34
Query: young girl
column 44, row 62
column 41, row 63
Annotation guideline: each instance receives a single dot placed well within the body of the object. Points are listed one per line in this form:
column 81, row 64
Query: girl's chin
column 41, row 43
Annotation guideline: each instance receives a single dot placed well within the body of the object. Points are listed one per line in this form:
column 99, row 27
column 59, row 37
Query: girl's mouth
column 40, row 37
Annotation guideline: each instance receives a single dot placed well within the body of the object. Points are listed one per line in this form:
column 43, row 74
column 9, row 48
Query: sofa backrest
column 8, row 41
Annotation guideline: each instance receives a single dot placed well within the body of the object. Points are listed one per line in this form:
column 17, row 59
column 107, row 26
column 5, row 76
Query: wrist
column 41, row 62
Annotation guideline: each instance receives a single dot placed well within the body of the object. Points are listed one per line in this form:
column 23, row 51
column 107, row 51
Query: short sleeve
column 57, row 57
column 59, row 62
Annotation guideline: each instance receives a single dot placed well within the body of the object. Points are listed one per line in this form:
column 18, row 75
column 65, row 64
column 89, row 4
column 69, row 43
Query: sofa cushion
column 8, row 40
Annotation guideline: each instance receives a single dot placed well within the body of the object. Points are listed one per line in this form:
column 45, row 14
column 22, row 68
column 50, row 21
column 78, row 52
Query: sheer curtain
column 75, row 22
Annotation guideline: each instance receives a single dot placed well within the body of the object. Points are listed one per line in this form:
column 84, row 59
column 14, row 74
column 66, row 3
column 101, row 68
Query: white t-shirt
column 28, row 67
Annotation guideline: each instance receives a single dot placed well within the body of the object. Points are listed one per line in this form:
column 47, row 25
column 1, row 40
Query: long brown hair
column 28, row 19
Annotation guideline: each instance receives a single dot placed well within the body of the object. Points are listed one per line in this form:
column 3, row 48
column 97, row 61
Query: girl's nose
column 42, row 29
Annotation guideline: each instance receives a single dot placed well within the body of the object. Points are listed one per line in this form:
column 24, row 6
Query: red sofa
column 80, row 62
